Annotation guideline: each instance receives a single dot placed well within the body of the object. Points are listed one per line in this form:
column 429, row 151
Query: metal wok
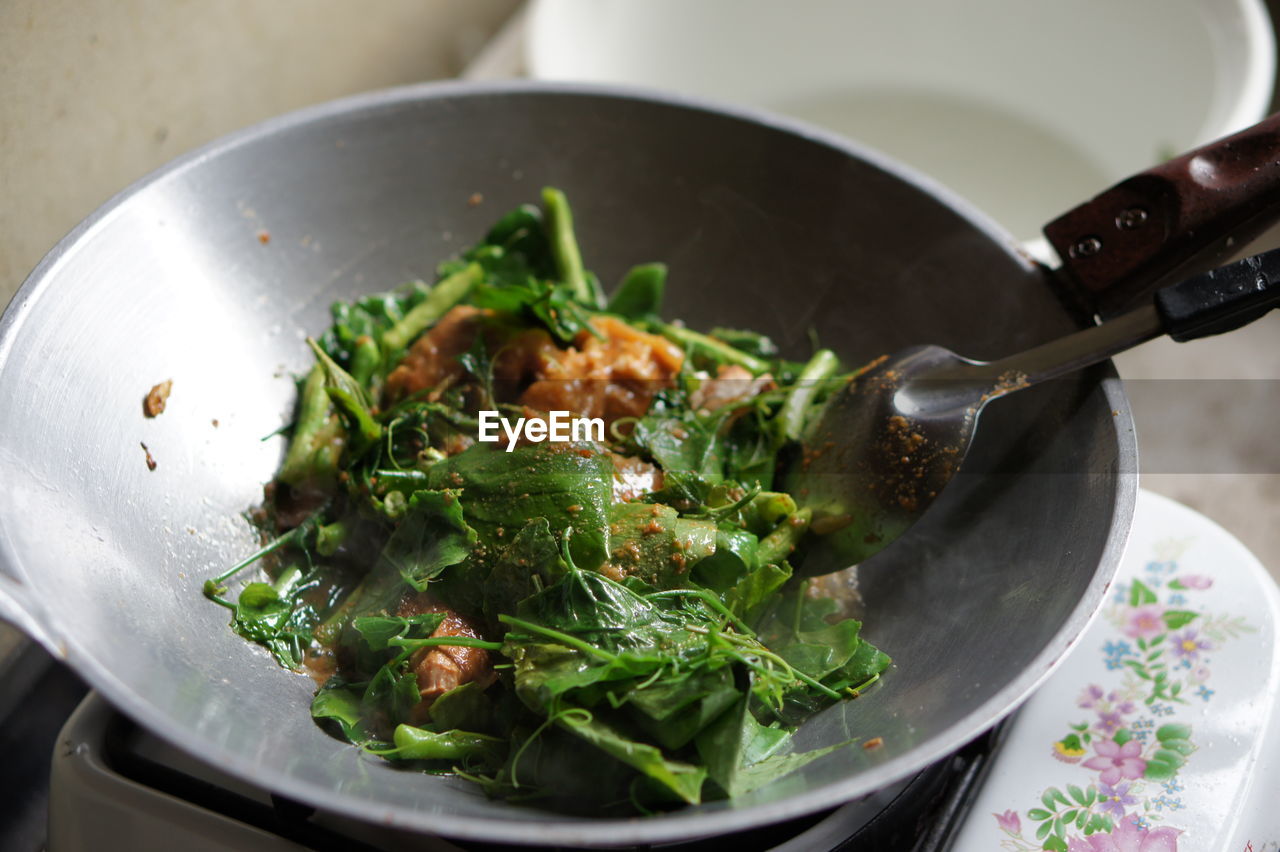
column 210, row 272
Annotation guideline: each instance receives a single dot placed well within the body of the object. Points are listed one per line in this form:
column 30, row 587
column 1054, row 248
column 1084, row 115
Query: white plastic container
column 1024, row 107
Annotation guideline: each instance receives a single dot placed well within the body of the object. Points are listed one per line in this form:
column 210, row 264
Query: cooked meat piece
column 731, row 384
column 610, row 378
column 633, row 478
column 433, row 357
column 521, row 360
column 444, row 667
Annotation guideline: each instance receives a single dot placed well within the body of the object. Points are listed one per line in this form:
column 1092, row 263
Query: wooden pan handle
column 1177, row 219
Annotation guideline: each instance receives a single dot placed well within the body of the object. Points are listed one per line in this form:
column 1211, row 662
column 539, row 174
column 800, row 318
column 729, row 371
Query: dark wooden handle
column 1177, row 219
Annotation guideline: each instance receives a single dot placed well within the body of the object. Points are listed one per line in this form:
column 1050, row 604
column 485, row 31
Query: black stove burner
column 37, row 698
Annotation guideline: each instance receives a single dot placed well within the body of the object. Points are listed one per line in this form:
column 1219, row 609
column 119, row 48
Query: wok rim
column 680, row 825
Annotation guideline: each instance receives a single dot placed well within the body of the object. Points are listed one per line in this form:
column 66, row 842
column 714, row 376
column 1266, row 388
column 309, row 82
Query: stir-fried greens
column 601, row 625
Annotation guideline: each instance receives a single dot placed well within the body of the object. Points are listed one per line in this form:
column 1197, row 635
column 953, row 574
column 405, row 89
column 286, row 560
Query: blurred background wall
column 96, row 93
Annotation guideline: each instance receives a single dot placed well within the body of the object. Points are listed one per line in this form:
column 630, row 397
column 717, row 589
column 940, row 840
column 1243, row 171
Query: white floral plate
column 1161, row 731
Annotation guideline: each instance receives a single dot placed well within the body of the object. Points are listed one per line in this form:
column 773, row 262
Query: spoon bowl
column 896, row 433
column 880, row 453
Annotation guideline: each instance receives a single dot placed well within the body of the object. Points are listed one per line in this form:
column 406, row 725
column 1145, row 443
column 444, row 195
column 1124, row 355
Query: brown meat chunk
column 444, row 667
column 433, row 357
column 523, row 358
column 610, row 378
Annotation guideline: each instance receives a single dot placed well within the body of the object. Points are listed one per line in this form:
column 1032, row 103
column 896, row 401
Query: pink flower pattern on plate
column 1117, row 761
column 1009, row 822
column 1145, row 622
column 1164, row 663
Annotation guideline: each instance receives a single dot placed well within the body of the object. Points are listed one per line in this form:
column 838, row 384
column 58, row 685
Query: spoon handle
column 1068, row 354
column 1212, row 302
column 1221, row 299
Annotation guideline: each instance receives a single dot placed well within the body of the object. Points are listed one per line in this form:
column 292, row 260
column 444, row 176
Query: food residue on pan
column 151, row 462
column 153, row 403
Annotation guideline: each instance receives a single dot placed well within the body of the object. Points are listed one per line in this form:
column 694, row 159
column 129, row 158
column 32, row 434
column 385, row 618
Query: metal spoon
column 889, row 441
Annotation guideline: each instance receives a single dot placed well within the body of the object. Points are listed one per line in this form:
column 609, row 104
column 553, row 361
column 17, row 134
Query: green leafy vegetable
column 567, row 485
column 315, row 447
column 604, row 626
column 564, row 247
column 432, row 536
column 349, row 398
column 639, row 296
column 750, row 342
column 418, row 744
column 709, row 349
column 652, row 543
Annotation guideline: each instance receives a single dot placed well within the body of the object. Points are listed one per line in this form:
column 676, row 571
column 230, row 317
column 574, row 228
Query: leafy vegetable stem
column 709, row 347
column 390, row 439
column 287, row 580
column 329, row 537
column 821, row 366
column 562, row 638
column 313, row 415
column 294, row 536
column 213, row 592
column 457, row 641
column 564, row 247
column 711, row 601
column 777, row 545
column 814, row 684
column 756, row 649
column 413, row 478
column 348, row 397
column 855, row 691
column 644, row 684
column 726, row 511
column 365, row 360
column 537, row 732
column 439, row 300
